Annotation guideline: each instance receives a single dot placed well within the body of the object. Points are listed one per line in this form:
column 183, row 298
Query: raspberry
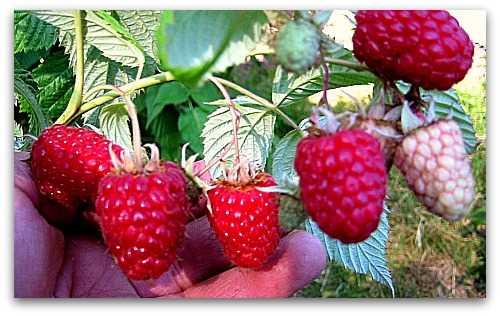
column 383, row 131
column 427, row 48
column 342, row 182
column 143, row 219
column 436, row 167
column 297, row 45
column 246, row 220
column 68, row 162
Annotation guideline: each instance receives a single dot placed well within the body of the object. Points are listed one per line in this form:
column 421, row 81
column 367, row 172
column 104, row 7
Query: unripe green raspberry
column 297, row 45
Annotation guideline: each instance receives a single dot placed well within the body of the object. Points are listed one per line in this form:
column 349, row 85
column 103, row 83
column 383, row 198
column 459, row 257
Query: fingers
column 89, row 271
column 38, row 250
column 300, row 258
column 23, row 178
column 199, row 258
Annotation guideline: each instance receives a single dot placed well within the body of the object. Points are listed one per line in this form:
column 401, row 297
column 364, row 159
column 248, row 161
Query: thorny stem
column 345, row 63
column 326, row 81
column 259, row 100
column 136, row 131
column 235, row 116
column 127, row 88
column 214, row 160
column 74, row 103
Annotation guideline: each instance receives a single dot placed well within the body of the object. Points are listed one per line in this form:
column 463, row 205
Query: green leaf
column 55, row 83
column 32, row 34
column 283, row 159
column 102, row 31
column 289, row 88
column 166, row 133
column 113, row 121
column 193, row 43
column 366, row 257
column 142, row 25
column 23, row 87
column 206, row 93
column 159, row 96
column 254, row 136
column 191, row 122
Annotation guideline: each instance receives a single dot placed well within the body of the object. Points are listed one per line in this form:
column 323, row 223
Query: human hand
column 48, row 263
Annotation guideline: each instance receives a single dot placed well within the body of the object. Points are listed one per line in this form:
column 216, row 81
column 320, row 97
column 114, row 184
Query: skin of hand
column 50, row 264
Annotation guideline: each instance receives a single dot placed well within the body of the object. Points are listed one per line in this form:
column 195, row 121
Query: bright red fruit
column 68, row 162
column 427, row 48
column 246, row 220
column 342, row 182
column 143, row 218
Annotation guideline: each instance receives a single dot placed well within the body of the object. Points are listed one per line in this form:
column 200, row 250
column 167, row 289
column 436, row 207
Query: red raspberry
column 427, row 48
column 437, row 169
column 68, row 162
column 246, row 220
column 143, row 218
column 342, row 182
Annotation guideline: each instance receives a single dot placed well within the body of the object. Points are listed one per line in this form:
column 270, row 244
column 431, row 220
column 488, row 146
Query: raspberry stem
column 326, row 81
column 76, row 98
column 136, row 130
column 273, row 107
column 235, row 114
column 345, row 63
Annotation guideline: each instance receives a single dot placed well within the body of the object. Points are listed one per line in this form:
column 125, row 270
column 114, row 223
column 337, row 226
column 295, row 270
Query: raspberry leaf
column 283, row 157
column 254, row 136
column 193, row 43
column 113, row 120
column 367, row 257
column 32, row 34
column 289, row 88
column 142, row 25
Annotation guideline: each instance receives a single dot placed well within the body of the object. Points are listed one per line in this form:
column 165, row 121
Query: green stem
column 259, row 100
column 348, row 64
column 128, row 88
column 76, row 97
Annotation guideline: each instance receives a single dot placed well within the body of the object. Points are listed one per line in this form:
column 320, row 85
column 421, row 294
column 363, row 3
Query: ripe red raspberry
column 427, row 48
column 143, row 219
column 436, row 167
column 246, row 220
column 68, row 162
column 342, row 182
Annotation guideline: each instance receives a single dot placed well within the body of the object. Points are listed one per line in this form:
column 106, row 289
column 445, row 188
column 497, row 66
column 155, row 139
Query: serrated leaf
column 283, row 159
column 254, row 135
column 446, row 103
column 142, row 25
column 32, row 34
column 159, row 96
column 102, row 31
column 191, row 122
column 23, row 87
column 55, row 84
column 166, row 133
column 192, row 43
column 367, row 257
column 290, row 87
column 113, row 121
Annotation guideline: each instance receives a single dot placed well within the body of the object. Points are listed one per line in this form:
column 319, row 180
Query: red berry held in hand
column 143, row 218
column 427, row 48
column 68, row 162
column 246, row 220
column 342, row 182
